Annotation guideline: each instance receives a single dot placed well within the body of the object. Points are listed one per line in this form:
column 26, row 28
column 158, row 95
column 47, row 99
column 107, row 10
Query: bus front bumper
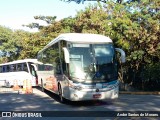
column 90, row 95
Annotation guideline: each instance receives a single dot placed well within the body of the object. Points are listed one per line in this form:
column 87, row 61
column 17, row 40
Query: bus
column 80, row 66
column 18, row 70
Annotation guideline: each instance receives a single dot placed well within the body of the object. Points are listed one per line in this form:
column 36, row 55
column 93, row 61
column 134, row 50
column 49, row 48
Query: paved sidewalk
column 140, row 93
column 7, row 90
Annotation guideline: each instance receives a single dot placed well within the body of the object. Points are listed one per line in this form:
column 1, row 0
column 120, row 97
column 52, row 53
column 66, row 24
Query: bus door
column 33, row 72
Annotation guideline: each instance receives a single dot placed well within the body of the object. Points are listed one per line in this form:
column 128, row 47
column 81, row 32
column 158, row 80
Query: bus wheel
column 42, row 88
column 60, row 94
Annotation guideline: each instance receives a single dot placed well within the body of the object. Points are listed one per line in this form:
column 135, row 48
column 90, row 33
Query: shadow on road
column 48, row 101
column 77, row 103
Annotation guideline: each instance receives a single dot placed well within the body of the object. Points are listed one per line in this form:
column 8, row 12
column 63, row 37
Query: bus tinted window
column 45, row 67
column 51, row 59
column 19, row 67
column 13, row 68
column 7, row 68
column 3, row 68
column 22, row 67
column 32, row 70
column 0, row 69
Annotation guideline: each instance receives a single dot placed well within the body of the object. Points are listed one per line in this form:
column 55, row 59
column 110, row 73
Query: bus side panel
column 65, row 87
column 12, row 78
column 48, row 80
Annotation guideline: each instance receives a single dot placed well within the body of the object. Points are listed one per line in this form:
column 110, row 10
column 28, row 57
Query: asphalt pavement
column 38, row 101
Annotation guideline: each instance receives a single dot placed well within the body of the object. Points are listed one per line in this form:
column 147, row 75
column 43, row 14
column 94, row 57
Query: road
column 46, row 101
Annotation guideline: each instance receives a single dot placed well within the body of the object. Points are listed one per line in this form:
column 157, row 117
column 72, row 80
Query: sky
column 15, row 13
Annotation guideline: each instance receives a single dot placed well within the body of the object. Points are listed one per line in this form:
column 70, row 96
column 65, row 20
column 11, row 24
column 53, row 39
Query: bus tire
column 42, row 87
column 61, row 99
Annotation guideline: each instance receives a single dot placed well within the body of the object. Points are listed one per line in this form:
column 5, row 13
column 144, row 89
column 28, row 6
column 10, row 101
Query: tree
column 7, row 44
column 48, row 19
column 19, row 44
column 29, row 44
column 137, row 31
column 104, row 1
column 132, row 26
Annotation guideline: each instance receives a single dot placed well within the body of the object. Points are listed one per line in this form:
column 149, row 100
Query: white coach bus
column 79, row 67
column 18, row 70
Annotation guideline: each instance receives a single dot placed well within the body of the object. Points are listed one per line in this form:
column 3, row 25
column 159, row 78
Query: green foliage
column 29, row 44
column 133, row 26
column 136, row 55
column 151, row 77
column 7, row 43
column 47, row 19
column 5, row 34
column 104, row 1
column 152, row 72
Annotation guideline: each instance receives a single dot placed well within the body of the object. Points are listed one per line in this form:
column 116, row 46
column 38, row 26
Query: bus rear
column 19, row 70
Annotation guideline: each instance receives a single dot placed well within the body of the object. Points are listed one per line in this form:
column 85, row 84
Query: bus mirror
column 123, row 55
column 66, row 54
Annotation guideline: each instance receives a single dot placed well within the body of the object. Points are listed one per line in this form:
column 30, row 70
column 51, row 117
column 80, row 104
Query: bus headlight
column 75, row 87
column 78, row 88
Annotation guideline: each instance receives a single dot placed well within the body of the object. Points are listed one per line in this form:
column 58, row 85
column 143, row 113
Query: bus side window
column 19, row 67
column 58, row 66
column 3, row 69
column 13, row 68
column 41, row 67
column 25, row 67
column 7, row 68
column 0, row 69
column 51, row 57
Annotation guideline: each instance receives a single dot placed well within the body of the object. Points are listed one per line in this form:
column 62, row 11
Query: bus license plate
column 96, row 95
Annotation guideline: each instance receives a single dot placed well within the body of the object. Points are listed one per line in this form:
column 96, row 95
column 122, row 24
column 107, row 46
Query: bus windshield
column 92, row 63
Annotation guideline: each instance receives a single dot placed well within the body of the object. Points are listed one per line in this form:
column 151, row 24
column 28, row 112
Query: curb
column 139, row 93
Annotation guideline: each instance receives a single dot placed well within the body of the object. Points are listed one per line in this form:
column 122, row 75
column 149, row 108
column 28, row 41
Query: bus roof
column 80, row 38
column 20, row 61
